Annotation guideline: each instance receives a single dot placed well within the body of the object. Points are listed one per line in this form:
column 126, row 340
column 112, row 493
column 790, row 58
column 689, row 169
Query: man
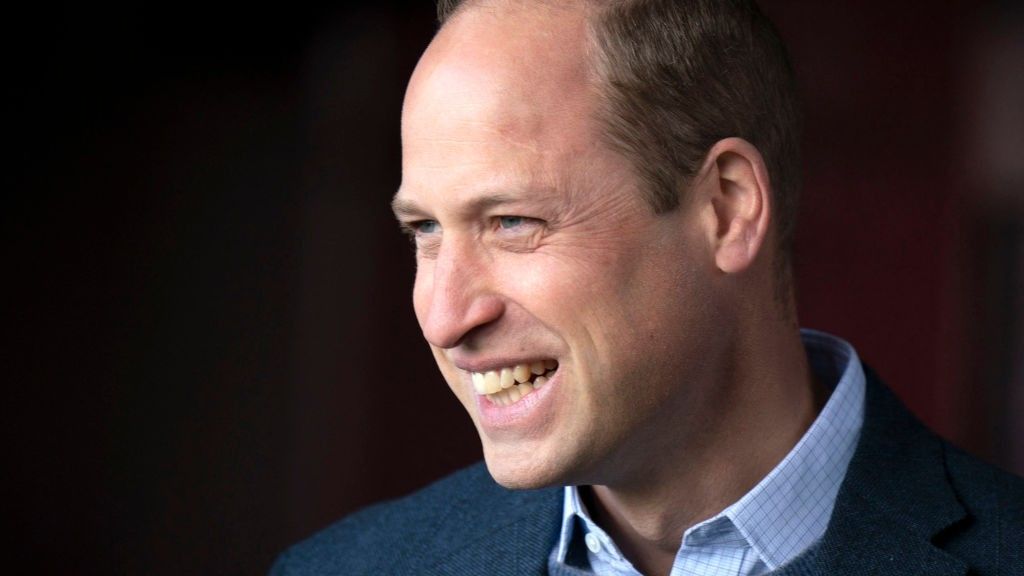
column 602, row 197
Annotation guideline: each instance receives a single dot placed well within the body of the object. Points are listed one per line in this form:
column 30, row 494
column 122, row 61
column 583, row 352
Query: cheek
column 545, row 288
column 628, row 305
column 579, row 300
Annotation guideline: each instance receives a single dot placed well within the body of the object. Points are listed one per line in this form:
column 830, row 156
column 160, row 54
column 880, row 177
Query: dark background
column 213, row 347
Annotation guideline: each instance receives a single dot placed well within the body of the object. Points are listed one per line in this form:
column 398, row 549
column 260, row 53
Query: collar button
column 593, row 542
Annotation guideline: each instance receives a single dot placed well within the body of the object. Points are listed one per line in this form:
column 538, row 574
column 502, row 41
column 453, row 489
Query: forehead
column 508, row 42
column 504, row 88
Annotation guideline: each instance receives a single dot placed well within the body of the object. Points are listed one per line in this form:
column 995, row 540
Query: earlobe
column 740, row 201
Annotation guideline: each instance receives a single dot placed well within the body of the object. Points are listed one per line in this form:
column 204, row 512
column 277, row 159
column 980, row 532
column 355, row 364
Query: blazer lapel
column 513, row 539
column 894, row 500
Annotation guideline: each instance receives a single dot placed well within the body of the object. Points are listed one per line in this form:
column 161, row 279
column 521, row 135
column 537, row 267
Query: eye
column 509, row 222
column 425, row 236
column 425, row 227
column 422, row 233
column 517, row 232
column 418, row 228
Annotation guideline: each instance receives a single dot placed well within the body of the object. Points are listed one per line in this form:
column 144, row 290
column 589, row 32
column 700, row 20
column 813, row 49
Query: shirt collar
column 789, row 508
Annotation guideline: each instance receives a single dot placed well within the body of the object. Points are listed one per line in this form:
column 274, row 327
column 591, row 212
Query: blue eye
column 426, row 227
column 510, row 221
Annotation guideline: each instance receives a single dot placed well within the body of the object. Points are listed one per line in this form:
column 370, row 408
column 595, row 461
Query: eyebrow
column 403, row 207
column 407, row 208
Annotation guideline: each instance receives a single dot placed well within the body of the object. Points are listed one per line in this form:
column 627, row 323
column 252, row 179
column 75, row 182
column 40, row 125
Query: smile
column 508, row 385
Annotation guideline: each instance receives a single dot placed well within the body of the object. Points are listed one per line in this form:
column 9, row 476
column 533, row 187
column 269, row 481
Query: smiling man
column 602, row 197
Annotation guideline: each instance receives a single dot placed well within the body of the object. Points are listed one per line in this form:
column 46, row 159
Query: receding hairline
column 448, row 9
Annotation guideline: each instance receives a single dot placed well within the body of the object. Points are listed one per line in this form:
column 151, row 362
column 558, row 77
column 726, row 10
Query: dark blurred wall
column 214, row 351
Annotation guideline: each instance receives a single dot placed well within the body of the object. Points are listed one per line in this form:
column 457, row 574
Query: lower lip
column 527, row 413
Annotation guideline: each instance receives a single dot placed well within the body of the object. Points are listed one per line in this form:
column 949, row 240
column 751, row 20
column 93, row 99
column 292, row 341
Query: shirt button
column 593, row 543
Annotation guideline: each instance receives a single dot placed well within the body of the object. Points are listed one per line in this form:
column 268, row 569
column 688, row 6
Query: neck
column 770, row 400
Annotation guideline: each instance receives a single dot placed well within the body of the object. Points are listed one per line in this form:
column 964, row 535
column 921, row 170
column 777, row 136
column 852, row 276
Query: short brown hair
column 680, row 75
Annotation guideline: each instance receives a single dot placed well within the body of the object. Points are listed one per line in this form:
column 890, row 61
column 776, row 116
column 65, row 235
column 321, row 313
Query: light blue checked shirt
column 779, row 518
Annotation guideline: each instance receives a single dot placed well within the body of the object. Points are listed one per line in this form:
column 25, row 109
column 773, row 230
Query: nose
column 454, row 294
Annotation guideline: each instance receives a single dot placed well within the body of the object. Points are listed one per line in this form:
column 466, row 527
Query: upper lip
column 488, row 364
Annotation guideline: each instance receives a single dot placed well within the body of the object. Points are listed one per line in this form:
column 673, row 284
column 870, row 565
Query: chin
column 522, row 470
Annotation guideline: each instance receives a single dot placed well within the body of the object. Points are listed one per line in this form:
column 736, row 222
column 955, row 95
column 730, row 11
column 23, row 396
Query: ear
column 738, row 213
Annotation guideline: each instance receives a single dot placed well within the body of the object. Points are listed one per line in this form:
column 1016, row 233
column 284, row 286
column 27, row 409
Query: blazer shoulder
column 409, row 531
column 993, row 529
column 974, row 474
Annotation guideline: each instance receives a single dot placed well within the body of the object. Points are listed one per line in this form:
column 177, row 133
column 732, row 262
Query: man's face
column 535, row 246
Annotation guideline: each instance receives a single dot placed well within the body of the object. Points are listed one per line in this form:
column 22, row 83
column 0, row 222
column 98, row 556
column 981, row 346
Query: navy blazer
column 910, row 504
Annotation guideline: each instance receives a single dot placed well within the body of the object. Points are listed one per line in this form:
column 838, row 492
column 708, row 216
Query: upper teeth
column 497, row 380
